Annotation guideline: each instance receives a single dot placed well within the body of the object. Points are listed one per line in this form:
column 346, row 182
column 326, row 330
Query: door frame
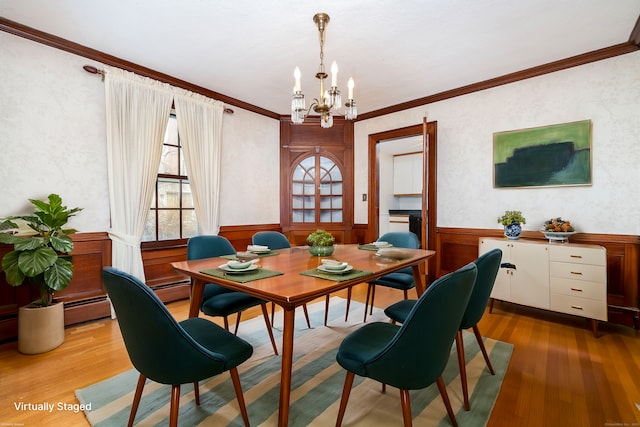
column 428, row 131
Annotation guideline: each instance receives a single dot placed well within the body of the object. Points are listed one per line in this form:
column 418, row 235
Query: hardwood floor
column 559, row 374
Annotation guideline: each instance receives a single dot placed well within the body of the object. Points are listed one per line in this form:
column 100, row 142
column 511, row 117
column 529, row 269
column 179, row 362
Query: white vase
column 40, row 329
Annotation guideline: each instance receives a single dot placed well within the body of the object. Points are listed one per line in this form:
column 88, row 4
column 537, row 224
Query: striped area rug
column 316, row 384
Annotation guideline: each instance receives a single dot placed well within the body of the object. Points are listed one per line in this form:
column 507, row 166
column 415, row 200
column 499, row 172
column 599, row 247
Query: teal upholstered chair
column 273, row 239
column 414, row 355
column 171, row 352
column 401, row 279
column 488, row 265
column 218, row 300
column 276, row 240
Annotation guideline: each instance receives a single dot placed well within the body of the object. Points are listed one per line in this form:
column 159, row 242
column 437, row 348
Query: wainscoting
column 85, row 298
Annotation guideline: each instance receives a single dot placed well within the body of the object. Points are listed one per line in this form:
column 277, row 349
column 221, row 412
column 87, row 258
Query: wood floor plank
column 559, row 374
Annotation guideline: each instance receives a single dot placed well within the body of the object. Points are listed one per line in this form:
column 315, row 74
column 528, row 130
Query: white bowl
column 559, row 236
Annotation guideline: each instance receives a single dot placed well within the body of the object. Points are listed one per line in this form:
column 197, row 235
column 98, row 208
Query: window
column 172, row 215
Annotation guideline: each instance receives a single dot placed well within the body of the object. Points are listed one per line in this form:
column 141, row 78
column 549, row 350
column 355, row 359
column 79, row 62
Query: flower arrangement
column 510, row 217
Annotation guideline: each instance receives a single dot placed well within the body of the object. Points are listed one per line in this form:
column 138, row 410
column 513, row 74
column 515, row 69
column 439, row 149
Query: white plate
column 382, row 244
column 228, row 269
column 326, row 270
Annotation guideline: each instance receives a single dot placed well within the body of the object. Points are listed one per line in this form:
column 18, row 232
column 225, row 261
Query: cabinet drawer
column 592, row 255
column 579, row 306
column 579, row 288
column 590, row 273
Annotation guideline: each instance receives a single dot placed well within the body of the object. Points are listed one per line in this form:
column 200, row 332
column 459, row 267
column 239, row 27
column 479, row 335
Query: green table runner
column 241, row 277
column 314, row 272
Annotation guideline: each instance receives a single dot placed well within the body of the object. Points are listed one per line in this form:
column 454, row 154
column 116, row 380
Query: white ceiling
column 397, row 51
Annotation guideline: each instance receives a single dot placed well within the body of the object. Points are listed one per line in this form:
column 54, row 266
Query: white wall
column 52, row 140
column 52, row 132
column 250, row 192
column 606, row 92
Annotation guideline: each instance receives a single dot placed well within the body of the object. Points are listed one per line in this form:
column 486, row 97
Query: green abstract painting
column 552, row 155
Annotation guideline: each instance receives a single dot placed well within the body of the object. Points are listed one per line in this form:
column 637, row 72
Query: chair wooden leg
column 406, row 408
column 366, row 300
column 445, row 398
column 273, row 311
column 235, row 378
column 265, row 314
column 346, row 314
column 306, row 315
column 326, row 310
column 196, row 392
column 463, row 369
column 175, row 405
column 476, row 332
column 136, row 399
column 373, row 296
column 226, row 322
column 346, row 391
column 238, row 315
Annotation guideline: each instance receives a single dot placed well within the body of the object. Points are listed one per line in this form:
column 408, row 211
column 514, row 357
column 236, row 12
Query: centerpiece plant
column 321, row 243
column 40, row 258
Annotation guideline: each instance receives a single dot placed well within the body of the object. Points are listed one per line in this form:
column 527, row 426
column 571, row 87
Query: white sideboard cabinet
column 563, row 277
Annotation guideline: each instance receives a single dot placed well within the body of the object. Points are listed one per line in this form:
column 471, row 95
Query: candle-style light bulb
column 334, row 74
column 351, row 84
column 296, row 74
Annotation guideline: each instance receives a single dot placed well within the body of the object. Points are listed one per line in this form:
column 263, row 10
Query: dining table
column 292, row 277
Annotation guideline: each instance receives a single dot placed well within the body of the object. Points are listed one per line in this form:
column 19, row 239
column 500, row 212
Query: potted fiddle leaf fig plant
column 321, row 243
column 42, row 259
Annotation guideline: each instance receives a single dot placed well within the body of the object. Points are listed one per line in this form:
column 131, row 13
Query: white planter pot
column 40, row 329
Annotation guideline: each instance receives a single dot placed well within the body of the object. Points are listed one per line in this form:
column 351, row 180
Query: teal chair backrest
column 418, row 353
column 401, row 239
column 158, row 346
column 199, row 247
column 488, row 265
column 272, row 239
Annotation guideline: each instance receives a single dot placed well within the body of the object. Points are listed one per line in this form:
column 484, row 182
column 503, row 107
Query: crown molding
column 551, row 67
column 38, row 36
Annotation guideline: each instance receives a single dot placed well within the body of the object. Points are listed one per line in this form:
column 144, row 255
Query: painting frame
column 555, row 155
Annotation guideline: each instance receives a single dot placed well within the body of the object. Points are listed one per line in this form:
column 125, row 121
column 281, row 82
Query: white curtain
column 200, row 128
column 138, row 109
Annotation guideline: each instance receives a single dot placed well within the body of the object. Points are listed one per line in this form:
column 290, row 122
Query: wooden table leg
column 197, row 290
column 419, row 278
column 287, row 362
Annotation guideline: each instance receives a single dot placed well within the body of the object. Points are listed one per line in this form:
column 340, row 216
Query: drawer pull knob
column 577, row 307
column 575, row 256
column 576, row 290
column 576, row 273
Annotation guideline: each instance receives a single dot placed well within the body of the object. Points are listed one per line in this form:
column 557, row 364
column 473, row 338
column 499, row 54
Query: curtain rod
column 93, row 70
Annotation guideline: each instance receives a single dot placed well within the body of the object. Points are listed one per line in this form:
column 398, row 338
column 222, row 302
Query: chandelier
column 330, row 100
